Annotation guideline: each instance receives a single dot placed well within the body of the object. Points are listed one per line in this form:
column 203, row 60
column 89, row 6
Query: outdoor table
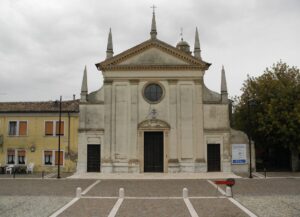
column 20, row 169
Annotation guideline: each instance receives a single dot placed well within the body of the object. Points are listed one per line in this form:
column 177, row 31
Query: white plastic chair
column 9, row 169
column 29, row 168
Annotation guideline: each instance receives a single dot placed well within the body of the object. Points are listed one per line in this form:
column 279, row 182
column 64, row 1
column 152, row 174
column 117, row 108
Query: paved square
column 217, row 208
column 90, row 207
column 153, row 208
column 276, row 197
column 153, row 188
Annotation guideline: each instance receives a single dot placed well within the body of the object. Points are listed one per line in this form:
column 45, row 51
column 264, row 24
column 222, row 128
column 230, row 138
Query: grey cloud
column 44, row 45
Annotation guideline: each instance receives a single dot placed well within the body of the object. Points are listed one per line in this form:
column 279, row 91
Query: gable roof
column 113, row 62
column 71, row 106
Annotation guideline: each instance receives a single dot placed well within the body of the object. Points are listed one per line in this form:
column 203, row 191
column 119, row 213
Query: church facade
column 154, row 113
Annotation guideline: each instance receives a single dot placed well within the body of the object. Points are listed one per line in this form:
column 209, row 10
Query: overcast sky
column 44, row 45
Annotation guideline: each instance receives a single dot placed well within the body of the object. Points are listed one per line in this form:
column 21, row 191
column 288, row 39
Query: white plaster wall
column 94, row 117
column 216, row 116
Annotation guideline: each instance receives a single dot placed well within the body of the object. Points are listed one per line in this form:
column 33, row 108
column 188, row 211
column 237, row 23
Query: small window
column 51, row 157
column 49, row 128
column 17, row 128
column 22, row 128
column 61, row 158
column 52, row 128
column 61, row 128
column 12, row 128
column 11, row 156
column 21, row 156
column 48, row 157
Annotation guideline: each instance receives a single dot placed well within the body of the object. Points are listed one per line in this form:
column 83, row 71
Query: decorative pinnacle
column 109, row 50
column 153, row 32
column 197, row 49
column 84, row 87
column 181, row 33
column 223, row 81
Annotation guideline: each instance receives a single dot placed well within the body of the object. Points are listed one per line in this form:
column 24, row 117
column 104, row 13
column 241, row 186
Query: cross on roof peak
column 153, row 7
column 181, row 33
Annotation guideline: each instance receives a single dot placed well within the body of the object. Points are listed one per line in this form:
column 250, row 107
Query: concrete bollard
column 228, row 191
column 185, row 193
column 121, row 193
column 78, row 192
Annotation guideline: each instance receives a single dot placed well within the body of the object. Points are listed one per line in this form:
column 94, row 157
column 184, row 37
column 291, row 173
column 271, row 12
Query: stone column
column 200, row 165
column 173, row 149
column 82, row 142
column 133, row 123
column 106, row 158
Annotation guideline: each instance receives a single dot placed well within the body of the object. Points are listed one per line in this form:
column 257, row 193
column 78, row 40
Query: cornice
column 153, row 67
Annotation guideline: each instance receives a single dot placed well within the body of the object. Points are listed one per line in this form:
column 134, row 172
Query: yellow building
column 29, row 134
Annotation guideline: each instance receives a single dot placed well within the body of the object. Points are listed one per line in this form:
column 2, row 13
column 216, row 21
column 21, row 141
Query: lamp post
column 250, row 103
column 59, row 126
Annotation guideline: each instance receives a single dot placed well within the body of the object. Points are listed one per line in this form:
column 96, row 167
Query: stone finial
column 153, row 32
column 223, row 81
column 224, row 92
column 197, row 49
column 84, row 87
column 109, row 50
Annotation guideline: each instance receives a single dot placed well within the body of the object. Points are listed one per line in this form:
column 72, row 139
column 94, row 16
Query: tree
column 274, row 121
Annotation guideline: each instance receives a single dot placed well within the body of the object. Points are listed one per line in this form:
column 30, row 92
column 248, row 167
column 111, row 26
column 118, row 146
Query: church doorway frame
column 214, row 139
column 153, row 125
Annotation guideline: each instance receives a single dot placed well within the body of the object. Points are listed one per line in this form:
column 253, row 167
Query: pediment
column 153, row 124
column 152, row 55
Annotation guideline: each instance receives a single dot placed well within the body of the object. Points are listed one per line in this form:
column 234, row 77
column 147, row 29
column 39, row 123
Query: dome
column 183, row 46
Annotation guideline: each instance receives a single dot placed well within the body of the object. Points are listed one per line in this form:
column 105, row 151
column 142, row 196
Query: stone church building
column 154, row 113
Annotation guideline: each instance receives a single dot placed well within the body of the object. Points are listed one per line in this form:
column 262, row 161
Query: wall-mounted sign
column 239, row 154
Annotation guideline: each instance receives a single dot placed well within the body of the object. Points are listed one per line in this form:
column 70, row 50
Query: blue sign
column 239, row 154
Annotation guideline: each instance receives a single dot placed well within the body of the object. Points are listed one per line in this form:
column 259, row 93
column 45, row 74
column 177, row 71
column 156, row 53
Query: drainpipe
column 69, row 123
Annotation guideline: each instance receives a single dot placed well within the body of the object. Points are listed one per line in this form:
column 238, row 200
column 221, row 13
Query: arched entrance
column 153, row 144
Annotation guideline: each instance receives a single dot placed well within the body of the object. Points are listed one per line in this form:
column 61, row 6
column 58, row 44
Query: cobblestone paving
column 272, row 206
column 33, row 187
column 153, row 208
column 252, row 187
column 31, row 206
column 35, row 197
column 153, row 188
column 269, row 197
column 220, row 208
column 90, row 207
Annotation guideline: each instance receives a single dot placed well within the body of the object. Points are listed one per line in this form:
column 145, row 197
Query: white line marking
column 190, row 207
column 116, row 207
column 96, row 197
column 153, row 198
column 247, row 211
column 90, row 187
column 64, row 207
column 74, row 200
column 258, row 175
column 50, row 175
column 208, row 197
column 217, row 187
